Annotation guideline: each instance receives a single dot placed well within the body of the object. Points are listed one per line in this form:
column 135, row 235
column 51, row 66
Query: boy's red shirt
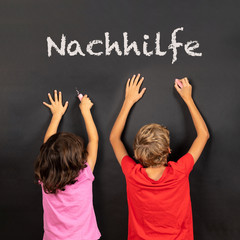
column 159, row 210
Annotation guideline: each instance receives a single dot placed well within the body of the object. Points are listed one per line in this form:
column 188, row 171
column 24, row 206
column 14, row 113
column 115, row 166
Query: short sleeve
column 185, row 163
column 85, row 173
column 89, row 171
column 127, row 165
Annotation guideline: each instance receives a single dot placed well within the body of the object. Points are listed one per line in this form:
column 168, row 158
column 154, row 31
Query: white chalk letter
column 90, row 46
column 174, row 45
column 51, row 44
column 189, row 49
column 128, row 48
column 77, row 49
column 109, row 48
column 145, row 45
column 158, row 50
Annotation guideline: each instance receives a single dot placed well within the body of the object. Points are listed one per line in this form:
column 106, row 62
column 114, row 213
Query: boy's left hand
column 133, row 85
column 56, row 106
column 185, row 91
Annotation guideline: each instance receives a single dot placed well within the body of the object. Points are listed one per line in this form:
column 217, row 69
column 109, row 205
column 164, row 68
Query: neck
column 158, row 166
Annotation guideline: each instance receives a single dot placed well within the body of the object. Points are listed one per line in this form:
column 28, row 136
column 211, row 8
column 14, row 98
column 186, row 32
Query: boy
column 157, row 191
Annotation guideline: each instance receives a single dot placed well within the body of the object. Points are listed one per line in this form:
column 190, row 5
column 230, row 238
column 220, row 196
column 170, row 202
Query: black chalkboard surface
column 28, row 73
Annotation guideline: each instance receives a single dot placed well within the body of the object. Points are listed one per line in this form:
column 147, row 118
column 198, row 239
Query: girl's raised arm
column 92, row 146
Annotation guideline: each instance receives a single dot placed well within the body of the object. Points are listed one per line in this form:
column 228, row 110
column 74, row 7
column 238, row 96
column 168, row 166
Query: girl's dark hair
column 59, row 161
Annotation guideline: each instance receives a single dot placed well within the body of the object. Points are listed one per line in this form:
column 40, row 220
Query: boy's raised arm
column 57, row 110
column 92, row 133
column 132, row 95
column 199, row 124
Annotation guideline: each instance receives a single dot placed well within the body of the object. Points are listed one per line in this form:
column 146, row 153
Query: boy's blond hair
column 151, row 145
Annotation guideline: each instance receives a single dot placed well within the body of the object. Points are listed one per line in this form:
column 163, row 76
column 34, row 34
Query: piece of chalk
column 178, row 83
column 80, row 96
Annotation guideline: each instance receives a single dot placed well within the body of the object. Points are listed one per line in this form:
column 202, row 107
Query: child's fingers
column 142, row 92
column 187, row 81
column 140, row 82
column 50, row 98
column 55, row 96
column 127, row 85
column 65, row 106
column 47, row 105
column 132, row 80
column 177, row 87
column 136, row 79
column 179, row 82
column 184, row 81
column 84, row 97
column 60, row 97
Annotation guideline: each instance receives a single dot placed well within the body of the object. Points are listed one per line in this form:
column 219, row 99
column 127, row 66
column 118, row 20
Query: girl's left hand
column 86, row 104
column 56, row 106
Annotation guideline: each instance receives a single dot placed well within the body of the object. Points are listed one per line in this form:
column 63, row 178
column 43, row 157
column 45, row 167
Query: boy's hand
column 200, row 141
column 132, row 94
column 56, row 106
column 86, row 104
column 186, row 91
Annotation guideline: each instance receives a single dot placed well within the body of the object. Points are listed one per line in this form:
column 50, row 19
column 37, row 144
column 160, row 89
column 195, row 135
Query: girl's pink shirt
column 69, row 214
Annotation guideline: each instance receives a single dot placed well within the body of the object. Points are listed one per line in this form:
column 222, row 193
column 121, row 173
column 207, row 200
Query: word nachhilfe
column 74, row 48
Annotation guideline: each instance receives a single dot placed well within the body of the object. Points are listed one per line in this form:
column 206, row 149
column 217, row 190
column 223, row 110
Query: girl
column 64, row 170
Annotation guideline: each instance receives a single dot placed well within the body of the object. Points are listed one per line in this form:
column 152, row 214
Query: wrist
column 57, row 116
column 189, row 101
column 85, row 111
column 128, row 103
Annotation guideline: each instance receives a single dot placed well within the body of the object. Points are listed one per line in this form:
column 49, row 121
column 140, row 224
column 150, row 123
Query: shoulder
column 85, row 173
column 126, row 160
column 184, row 164
column 128, row 164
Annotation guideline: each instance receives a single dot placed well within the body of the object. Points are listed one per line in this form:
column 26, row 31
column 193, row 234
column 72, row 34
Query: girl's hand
column 132, row 94
column 56, row 106
column 186, row 91
column 85, row 104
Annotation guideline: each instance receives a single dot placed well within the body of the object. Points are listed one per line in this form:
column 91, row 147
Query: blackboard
column 27, row 74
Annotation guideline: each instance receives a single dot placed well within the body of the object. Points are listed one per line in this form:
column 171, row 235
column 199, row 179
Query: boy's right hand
column 132, row 94
column 186, row 91
column 85, row 104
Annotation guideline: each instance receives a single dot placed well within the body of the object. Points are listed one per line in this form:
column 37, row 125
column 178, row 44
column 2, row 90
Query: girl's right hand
column 85, row 104
column 186, row 91
column 56, row 105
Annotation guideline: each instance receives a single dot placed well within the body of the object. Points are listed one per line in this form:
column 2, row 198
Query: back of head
column 151, row 145
column 59, row 161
